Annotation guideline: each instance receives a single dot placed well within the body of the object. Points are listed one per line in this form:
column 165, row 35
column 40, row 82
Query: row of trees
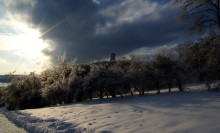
column 202, row 59
column 66, row 83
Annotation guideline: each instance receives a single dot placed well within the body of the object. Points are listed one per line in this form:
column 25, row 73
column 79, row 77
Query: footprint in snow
column 138, row 111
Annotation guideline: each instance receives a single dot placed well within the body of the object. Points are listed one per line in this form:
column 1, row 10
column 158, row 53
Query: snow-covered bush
column 55, row 93
column 2, row 93
column 55, row 82
column 24, row 93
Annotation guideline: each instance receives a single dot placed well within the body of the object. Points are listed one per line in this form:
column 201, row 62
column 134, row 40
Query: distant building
column 112, row 58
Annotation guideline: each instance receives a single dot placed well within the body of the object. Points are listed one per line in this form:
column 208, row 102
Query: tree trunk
column 131, row 93
column 158, row 87
column 90, row 97
column 142, row 91
column 218, row 14
column 100, row 93
column 179, row 84
column 170, row 86
column 113, row 93
column 120, row 94
column 106, row 93
column 137, row 90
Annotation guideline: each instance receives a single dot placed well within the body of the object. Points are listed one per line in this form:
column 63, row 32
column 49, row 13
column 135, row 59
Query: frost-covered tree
column 201, row 58
column 166, row 70
column 55, row 81
column 23, row 92
column 141, row 75
column 203, row 14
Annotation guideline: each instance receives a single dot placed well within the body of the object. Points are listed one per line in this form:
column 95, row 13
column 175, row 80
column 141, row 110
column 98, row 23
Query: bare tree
column 204, row 14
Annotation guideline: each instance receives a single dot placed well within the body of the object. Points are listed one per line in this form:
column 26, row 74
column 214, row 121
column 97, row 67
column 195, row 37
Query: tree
column 55, row 82
column 204, row 14
column 211, row 70
column 201, row 60
column 23, row 93
column 141, row 75
column 163, row 69
column 2, row 92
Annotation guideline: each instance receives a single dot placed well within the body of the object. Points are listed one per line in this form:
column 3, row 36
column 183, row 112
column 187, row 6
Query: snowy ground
column 195, row 111
column 8, row 127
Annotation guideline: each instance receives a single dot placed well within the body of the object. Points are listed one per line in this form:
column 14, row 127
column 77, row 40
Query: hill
column 192, row 111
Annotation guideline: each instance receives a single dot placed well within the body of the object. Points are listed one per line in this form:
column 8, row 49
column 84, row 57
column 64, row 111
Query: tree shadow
column 199, row 99
column 35, row 125
column 195, row 99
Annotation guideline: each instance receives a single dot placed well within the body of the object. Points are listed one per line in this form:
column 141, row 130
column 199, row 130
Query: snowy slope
column 6, row 126
column 179, row 112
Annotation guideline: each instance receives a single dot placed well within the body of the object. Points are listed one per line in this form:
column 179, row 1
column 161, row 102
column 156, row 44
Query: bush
column 2, row 94
column 22, row 93
column 54, row 94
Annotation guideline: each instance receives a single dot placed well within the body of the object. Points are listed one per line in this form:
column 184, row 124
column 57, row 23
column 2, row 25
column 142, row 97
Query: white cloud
column 146, row 52
column 3, row 62
column 130, row 11
column 96, row 1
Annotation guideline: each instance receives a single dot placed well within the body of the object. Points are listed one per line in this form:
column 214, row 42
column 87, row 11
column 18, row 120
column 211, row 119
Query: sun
column 26, row 46
column 30, row 43
column 22, row 45
column 26, row 41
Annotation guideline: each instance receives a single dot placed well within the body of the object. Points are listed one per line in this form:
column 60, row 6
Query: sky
column 33, row 33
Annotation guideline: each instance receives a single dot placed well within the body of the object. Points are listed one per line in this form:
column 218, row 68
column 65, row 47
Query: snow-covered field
column 6, row 126
column 196, row 111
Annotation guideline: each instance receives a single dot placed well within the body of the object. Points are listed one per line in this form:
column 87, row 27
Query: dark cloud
column 90, row 30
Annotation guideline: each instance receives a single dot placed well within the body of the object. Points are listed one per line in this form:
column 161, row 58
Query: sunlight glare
column 27, row 45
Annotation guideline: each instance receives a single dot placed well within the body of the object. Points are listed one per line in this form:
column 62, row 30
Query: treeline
column 67, row 83
column 7, row 78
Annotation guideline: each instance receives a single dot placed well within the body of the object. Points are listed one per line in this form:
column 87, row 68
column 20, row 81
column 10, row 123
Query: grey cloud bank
column 91, row 29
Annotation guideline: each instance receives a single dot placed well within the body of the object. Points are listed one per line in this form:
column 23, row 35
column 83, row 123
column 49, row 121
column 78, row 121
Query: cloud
column 92, row 29
column 97, row 2
column 130, row 11
column 3, row 61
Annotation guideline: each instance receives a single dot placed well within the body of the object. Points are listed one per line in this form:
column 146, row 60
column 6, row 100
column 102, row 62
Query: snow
column 192, row 111
column 6, row 126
